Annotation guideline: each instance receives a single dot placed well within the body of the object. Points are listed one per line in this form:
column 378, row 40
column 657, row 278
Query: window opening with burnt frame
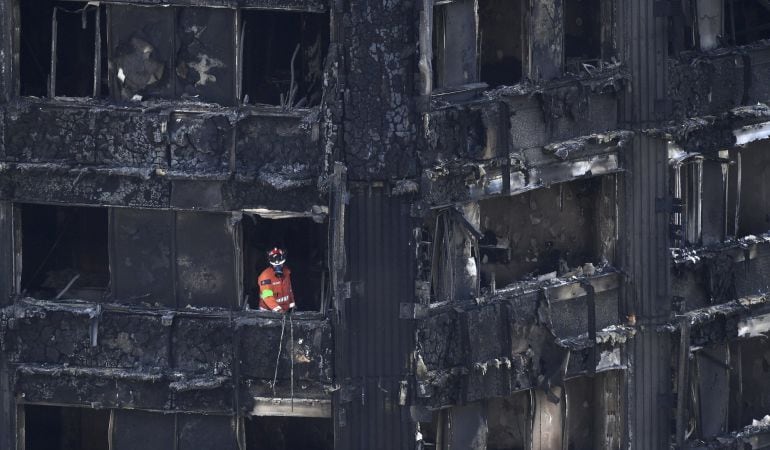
column 64, row 252
column 582, row 35
column 283, row 56
column 478, row 41
column 448, row 257
column 705, row 192
column 746, row 21
column 501, row 36
column 60, row 428
column 62, row 49
column 686, row 186
column 752, row 188
column 304, row 242
column 135, row 53
column 568, row 229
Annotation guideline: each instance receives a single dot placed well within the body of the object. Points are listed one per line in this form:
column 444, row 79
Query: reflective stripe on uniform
column 267, row 293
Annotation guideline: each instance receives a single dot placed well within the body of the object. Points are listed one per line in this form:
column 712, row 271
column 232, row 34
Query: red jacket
column 275, row 292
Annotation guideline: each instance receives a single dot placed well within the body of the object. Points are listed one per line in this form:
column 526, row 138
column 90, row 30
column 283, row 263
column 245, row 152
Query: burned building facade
column 511, row 224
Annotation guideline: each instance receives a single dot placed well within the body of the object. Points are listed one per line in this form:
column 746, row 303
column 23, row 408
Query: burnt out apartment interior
column 510, row 224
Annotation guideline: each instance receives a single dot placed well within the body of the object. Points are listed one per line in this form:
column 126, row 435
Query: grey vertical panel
column 642, row 40
column 377, row 342
column 205, row 260
column 133, row 430
column 142, row 259
column 647, row 294
column 6, row 252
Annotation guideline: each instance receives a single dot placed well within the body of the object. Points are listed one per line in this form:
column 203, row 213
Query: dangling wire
column 278, row 358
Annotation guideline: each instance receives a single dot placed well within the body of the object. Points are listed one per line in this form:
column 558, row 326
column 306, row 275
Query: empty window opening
column 454, row 43
column 64, row 252
column 283, row 57
column 289, row 433
column 501, row 35
column 449, row 257
column 747, row 21
column 582, row 34
column 61, row 49
column 565, row 230
column 57, row 428
column 304, row 243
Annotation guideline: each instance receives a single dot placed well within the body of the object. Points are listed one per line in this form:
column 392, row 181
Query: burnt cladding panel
column 381, row 259
column 132, row 430
column 205, row 259
column 142, row 256
column 199, row 432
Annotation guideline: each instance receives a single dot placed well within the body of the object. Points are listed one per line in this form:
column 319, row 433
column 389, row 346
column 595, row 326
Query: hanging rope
column 278, row 358
column 291, row 336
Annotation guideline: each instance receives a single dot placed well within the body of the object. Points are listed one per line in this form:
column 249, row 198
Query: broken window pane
column 283, row 57
column 172, row 52
column 205, row 58
column 754, row 206
column 141, row 52
column 509, row 422
column 57, row 428
column 287, row 433
column 133, row 429
column 64, row 252
column 454, row 43
column 205, row 259
column 304, row 243
column 501, row 25
column 582, row 34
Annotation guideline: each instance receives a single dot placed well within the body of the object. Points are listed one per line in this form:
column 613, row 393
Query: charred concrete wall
column 496, row 271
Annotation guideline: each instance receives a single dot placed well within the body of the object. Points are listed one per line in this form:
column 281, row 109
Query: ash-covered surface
column 380, row 137
column 513, row 340
column 81, row 353
column 92, row 151
column 708, row 83
column 721, row 273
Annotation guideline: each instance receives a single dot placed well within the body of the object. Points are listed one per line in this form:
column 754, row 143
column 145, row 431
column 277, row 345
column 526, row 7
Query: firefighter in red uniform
column 274, row 283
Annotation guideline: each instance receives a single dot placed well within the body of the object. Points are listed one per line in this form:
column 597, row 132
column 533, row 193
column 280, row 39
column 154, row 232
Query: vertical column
column 643, row 44
column 7, row 255
column 646, row 294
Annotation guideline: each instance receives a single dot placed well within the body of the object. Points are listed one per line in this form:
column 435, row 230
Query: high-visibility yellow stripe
column 267, row 293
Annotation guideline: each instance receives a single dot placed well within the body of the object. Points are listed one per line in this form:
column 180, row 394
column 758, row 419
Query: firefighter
column 274, row 283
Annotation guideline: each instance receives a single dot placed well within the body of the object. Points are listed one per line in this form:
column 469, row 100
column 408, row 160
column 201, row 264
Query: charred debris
column 511, row 224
